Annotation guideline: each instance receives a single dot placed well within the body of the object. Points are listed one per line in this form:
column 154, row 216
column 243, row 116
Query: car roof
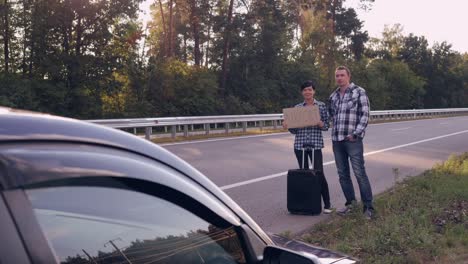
column 19, row 125
column 26, row 126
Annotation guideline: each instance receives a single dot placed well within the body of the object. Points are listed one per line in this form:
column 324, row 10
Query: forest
column 94, row 59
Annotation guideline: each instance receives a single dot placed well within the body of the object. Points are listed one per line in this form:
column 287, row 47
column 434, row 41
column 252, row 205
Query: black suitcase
column 304, row 188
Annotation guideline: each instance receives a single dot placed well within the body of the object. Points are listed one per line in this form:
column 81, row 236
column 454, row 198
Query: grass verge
column 424, row 219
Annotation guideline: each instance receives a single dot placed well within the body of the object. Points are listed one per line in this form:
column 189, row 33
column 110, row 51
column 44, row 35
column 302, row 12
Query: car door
column 116, row 218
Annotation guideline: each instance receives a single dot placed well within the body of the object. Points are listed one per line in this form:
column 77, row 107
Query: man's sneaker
column 346, row 210
column 328, row 210
column 369, row 213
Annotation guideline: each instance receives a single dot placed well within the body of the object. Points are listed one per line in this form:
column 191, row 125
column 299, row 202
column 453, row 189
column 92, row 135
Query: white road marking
column 276, row 175
column 404, row 128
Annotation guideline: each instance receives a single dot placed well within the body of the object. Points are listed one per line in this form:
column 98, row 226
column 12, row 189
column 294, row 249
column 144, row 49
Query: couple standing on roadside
column 348, row 108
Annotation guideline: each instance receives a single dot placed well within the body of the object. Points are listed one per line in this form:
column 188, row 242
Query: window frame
column 13, row 251
column 37, row 244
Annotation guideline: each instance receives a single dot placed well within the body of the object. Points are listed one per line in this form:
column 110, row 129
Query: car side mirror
column 279, row 255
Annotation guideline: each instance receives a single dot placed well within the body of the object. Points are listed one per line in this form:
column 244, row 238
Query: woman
column 312, row 136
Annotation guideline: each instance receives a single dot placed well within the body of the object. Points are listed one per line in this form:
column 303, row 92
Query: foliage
column 92, row 59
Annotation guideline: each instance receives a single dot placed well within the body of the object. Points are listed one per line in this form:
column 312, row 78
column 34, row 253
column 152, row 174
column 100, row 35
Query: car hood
column 325, row 256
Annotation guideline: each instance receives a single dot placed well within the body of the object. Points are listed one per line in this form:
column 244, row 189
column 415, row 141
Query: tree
column 416, row 53
column 445, row 86
column 227, row 43
column 390, row 84
column 6, row 34
column 349, row 30
column 89, row 59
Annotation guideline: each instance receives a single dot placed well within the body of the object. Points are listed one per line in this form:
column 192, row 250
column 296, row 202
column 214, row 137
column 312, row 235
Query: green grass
column 424, row 219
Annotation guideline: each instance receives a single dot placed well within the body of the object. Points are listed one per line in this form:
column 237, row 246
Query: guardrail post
column 261, row 125
column 226, row 128
column 186, row 131
column 207, row 128
column 173, row 131
column 134, row 131
column 148, row 132
column 216, row 126
column 192, row 127
column 275, row 124
column 244, row 126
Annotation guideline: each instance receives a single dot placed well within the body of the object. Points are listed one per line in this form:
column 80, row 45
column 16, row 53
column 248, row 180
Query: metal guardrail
column 184, row 124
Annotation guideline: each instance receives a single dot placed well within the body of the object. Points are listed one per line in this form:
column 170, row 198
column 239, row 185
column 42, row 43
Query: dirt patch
column 456, row 213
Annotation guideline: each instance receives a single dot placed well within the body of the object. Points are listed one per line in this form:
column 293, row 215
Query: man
column 349, row 109
column 312, row 136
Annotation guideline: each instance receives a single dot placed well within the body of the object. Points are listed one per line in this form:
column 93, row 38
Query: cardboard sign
column 298, row 117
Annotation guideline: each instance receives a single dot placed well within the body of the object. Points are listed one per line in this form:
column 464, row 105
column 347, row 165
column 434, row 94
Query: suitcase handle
column 304, row 147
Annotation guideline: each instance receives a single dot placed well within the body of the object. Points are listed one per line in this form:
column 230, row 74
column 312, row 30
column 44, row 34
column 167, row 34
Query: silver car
column 74, row 192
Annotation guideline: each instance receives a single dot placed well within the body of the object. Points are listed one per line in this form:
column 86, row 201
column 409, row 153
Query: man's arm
column 363, row 113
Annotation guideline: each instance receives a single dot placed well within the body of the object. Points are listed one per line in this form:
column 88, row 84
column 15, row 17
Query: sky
column 434, row 19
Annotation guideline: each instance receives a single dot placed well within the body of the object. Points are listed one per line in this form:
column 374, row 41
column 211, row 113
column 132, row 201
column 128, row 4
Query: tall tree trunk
column 197, row 53
column 25, row 37
column 79, row 33
column 171, row 29
column 23, row 63
column 166, row 36
column 33, row 39
column 67, row 29
column 31, row 58
column 194, row 20
column 185, row 48
column 227, row 40
column 143, row 48
column 6, row 37
column 207, row 49
column 330, row 50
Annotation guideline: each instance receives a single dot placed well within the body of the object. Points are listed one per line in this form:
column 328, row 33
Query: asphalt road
column 252, row 169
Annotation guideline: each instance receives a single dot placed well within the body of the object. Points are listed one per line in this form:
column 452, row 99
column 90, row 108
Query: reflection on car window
column 106, row 225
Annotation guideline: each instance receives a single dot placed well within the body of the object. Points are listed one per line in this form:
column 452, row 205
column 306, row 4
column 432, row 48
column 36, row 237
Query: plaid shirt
column 311, row 135
column 350, row 114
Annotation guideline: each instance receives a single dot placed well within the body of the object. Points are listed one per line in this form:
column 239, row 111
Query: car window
column 113, row 225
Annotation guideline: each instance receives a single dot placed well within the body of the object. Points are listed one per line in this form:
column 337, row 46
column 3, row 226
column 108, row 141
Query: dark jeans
column 344, row 152
column 318, row 165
